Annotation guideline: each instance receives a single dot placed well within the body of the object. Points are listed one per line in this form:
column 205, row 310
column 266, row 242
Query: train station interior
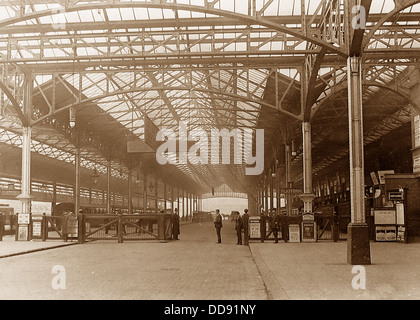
column 124, row 120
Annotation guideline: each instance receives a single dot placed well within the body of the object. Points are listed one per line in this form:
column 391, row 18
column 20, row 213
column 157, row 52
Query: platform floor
column 197, row 268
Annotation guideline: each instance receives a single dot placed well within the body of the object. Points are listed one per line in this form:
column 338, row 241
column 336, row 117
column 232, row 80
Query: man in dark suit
column 218, row 224
column 263, row 220
column 175, row 225
column 238, row 227
column 275, row 225
column 245, row 220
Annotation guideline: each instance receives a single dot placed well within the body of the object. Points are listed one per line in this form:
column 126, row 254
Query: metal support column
column 183, row 204
column 289, row 184
column 187, row 206
column 144, row 193
column 177, row 200
column 271, row 189
column 76, row 190
column 358, row 246
column 265, row 193
column 25, row 196
column 156, row 195
column 130, row 195
column 165, row 197
column 108, row 186
column 277, row 186
column 308, row 195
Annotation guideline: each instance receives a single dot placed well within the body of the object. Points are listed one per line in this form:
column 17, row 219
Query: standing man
column 218, row 225
column 275, row 225
column 238, row 227
column 245, row 220
column 262, row 225
column 175, row 225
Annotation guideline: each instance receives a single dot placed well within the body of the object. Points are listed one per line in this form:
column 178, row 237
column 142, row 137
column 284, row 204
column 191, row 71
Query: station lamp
column 72, row 117
column 294, row 153
column 94, row 176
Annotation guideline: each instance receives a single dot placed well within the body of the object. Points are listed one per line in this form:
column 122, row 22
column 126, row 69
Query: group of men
column 241, row 224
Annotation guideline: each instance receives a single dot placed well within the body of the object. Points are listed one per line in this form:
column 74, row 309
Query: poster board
column 384, row 216
column 294, row 233
column 22, row 233
column 308, row 231
column 36, row 229
column 254, row 228
column 23, row 218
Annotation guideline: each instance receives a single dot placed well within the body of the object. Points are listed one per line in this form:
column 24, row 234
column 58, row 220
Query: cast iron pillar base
column 358, row 245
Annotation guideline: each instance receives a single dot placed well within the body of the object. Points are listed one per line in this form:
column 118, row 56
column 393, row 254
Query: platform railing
column 120, row 227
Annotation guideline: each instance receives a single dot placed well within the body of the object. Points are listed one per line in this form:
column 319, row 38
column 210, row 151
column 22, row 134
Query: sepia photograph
column 215, row 157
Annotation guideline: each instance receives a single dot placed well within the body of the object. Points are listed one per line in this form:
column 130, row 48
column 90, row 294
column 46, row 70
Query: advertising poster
column 384, row 216
column 254, row 229
column 308, row 231
column 294, row 233
column 36, row 229
column 23, row 234
column 23, row 218
column 401, row 234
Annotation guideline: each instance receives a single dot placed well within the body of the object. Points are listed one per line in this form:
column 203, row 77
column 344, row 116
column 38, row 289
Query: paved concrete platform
column 10, row 247
column 197, row 268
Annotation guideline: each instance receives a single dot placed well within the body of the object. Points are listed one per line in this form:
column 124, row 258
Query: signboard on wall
column 416, row 130
column 23, row 218
column 416, row 163
column 381, row 175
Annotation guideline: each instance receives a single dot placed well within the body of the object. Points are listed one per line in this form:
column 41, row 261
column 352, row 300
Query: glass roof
column 207, row 63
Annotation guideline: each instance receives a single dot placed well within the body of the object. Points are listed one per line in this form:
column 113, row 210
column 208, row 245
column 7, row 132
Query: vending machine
column 391, row 221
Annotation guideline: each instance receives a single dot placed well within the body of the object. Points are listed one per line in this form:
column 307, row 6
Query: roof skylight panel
column 72, row 17
column 113, row 14
column 168, row 14
column 155, row 13
column 6, row 12
column 382, row 6
column 184, row 14
column 286, row 7
column 127, row 14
